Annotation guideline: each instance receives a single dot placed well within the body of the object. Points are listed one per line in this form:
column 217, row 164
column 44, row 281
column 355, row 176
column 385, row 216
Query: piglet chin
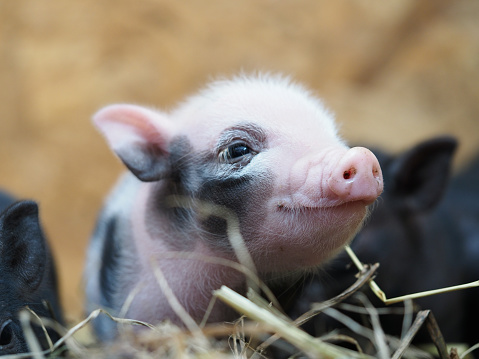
column 321, row 206
column 308, row 236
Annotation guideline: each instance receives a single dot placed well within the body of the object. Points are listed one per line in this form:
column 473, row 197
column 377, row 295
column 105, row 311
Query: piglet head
column 262, row 147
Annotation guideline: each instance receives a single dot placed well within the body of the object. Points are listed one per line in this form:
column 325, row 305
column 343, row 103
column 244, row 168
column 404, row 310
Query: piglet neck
column 192, row 268
column 192, row 277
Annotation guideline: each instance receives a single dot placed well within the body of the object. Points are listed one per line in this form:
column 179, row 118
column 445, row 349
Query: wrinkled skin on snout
column 261, row 148
column 27, row 275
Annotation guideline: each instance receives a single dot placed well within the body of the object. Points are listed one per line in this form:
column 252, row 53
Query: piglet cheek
column 311, row 221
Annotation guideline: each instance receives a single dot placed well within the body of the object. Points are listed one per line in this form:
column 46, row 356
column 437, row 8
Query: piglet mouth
column 283, row 207
column 329, row 205
column 300, row 207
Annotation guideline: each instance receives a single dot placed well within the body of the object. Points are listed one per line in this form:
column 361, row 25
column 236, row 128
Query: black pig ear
column 419, row 176
column 139, row 136
column 22, row 244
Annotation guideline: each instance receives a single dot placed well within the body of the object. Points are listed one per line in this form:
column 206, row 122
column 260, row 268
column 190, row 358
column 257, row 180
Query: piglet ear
column 420, row 176
column 140, row 138
column 22, row 245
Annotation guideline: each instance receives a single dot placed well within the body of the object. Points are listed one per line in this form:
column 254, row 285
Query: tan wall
column 394, row 72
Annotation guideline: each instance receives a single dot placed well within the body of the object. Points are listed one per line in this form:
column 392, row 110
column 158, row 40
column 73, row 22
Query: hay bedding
column 262, row 332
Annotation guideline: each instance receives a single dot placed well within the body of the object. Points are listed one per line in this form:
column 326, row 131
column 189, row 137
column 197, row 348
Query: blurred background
column 394, row 73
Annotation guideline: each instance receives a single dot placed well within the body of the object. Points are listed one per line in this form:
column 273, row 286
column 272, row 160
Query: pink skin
column 346, row 211
column 357, row 177
column 186, row 277
column 320, row 188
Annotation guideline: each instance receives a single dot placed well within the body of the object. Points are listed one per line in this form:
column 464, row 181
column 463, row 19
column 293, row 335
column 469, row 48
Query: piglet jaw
column 357, row 177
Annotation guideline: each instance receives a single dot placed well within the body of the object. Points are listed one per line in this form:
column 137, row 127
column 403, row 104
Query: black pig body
column 28, row 276
column 424, row 232
column 461, row 206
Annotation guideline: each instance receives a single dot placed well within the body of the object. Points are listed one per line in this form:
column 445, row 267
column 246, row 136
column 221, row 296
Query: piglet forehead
column 273, row 103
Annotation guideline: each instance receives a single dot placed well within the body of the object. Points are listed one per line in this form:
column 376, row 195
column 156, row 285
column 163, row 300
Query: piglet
column 262, row 149
column 28, row 276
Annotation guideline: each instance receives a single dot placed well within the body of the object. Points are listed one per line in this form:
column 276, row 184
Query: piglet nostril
column 349, row 173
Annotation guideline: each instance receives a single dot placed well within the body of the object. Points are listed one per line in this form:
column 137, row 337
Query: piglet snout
column 357, row 177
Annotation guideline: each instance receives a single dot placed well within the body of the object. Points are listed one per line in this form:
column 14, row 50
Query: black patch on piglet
column 230, row 192
column 245, row 195
column 169, row 197
column 198, row 178
column 111, row 257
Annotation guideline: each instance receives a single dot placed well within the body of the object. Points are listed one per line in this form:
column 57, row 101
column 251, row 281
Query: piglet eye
column 235, row 153
column 238, row 150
